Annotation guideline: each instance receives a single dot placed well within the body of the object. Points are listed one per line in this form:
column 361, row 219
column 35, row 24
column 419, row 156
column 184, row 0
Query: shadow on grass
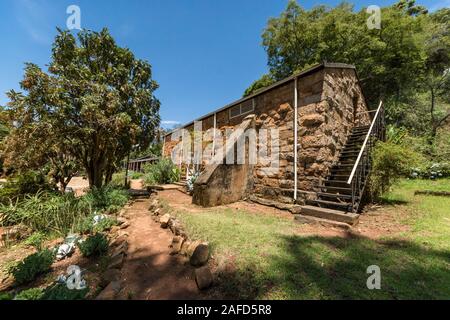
column 391, row 202
column 335, row 268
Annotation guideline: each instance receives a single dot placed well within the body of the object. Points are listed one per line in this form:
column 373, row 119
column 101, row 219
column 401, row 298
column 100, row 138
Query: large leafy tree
column 4, row 130
column 96, row 102
column 387, row 59
column 436, row 79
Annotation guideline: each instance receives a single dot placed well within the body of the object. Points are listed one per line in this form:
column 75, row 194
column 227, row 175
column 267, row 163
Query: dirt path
column 149, row 271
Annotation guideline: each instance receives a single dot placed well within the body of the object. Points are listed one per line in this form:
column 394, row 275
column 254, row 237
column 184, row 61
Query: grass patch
column 271, row 261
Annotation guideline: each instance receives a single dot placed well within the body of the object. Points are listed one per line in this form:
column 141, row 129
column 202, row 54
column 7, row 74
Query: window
column 242, row 108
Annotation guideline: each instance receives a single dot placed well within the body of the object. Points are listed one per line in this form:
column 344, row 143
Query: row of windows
column 242, row 108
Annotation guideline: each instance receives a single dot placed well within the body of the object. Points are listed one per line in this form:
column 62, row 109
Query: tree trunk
column 95, row 176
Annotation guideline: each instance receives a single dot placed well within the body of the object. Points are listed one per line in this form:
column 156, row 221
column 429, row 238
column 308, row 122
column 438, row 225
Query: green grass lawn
column 272, row 261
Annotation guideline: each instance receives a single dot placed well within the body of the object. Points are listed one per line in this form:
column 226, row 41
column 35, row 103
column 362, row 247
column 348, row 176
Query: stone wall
column 330, row 104
column 325, row 125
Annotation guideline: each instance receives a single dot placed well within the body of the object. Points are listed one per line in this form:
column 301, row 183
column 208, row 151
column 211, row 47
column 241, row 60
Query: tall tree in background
column 436, row 79
column 4, row 130
column 387, row 59
column 95, row 102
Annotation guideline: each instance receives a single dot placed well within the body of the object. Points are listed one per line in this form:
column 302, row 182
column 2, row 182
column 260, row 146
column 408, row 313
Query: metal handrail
column 350, row 179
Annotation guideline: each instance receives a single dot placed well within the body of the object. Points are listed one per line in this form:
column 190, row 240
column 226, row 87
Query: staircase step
column 330, row 214
column 360, row 131
column 344, row 182
column 339, row 189
column 342, row 206
column 340, row 176
column 304, row 219
column 334, row 195
column 350, row 152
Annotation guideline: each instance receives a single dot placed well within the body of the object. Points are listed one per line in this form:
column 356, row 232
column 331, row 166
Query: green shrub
column 57, row 291
column 30, row 294
column 107, row 199
column 47, row 212
column 390, row 161
column 118, row 180
column 431, row 170
column 33, row 265
column 35, row 240
column 6, row 296
column 94, row 245
column 24, row 184
column 63, row 214
column 162, row 172
column 61, row 292
column 87, row 225
column 136, row 175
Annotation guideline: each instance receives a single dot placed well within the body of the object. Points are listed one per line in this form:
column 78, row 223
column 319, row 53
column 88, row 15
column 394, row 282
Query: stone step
column 334, row 195
column 339, row 176
column 329, row 214
column 304, row 219
column 335, row 205
column 338, row 182
column 337, row 189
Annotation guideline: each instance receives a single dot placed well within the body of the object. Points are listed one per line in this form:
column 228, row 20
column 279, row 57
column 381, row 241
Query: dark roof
column 143, row 159
column 303, row 73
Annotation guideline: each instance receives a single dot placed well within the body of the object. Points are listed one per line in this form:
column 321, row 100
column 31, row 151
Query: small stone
column 115, row 229
column 6, row 283
column 124, row 225
column 109, row 276
column 156, row 212
column 123, row 233
column 200, row 255
column 121, row 249
column 119, row 240
column 175, row 226
column 153, row 205
column 311, row 120
column 110, row 292
column 116, row 262
column 192, row 245
column 203, row 277
column 185, row 247
column 177, row 243
column 164, row 220
column 121, row 220
column 285, row 107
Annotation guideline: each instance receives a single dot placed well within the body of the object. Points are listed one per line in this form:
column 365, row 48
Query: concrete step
column 303, row 219
column 330, row 214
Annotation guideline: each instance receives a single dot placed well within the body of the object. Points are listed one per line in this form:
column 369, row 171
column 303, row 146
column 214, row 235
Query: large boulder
column 203, row 277
column 199, row 255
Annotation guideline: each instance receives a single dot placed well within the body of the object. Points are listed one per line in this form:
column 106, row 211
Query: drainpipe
column 214, row 137
column 295, row 139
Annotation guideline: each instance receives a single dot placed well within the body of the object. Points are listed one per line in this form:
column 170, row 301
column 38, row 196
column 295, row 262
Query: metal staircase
column 344, row 187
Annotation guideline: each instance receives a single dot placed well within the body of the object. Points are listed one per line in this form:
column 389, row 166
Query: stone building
column 330, row 108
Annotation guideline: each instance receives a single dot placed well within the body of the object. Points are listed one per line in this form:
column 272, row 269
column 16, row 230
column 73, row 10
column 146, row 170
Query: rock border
column 197, row 251
column 110, row 279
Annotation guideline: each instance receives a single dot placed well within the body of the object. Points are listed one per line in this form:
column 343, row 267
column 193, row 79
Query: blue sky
column 204, row 53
